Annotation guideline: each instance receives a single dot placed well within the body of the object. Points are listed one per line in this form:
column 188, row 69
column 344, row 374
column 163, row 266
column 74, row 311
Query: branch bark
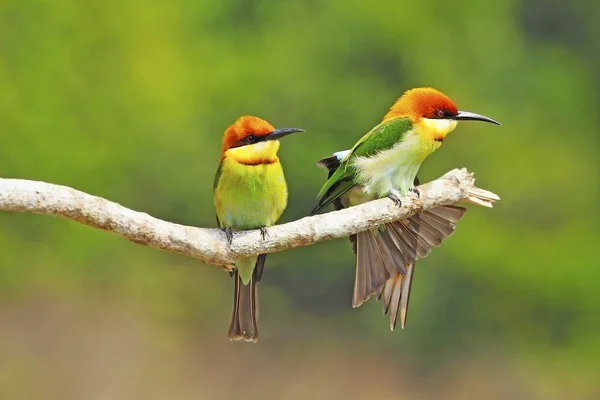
column 210, row 245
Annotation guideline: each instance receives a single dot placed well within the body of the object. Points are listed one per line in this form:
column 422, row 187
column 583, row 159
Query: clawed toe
column 228, row 234
column 395, row 199
column 264, row 232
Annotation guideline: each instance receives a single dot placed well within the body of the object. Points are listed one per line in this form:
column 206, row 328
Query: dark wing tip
column 321, row 163
column 330, row 163
column 316, row 209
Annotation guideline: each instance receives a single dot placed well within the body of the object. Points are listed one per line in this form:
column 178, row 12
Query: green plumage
column 383, row 137
column 385, row 256
column 218, row 175
column 248, row 196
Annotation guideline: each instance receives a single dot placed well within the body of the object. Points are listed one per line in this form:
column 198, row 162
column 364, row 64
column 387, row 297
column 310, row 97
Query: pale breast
column 395, row 168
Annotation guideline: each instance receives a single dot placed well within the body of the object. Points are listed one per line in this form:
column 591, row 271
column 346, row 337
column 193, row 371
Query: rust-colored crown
column 245, row 126
column 422, row 103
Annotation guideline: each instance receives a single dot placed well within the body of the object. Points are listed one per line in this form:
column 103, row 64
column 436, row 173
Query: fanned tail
column 412, row 238
column 386, row 256
column 244, row 321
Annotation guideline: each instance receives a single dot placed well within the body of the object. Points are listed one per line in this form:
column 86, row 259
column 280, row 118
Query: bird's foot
column 416, row 192
column 264, row 232
column 228, row 234
column 395, row 198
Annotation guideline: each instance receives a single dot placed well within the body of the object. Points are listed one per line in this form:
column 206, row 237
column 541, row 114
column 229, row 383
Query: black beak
column 279, row 133
column 469, row 116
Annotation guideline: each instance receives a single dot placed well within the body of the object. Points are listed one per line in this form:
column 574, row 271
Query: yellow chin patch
column 255, row 154
column 436, row 129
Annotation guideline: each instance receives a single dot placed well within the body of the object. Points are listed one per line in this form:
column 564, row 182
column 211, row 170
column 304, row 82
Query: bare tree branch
column 210, row 245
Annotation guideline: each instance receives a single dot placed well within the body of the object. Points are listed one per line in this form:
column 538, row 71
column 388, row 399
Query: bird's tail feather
column 396, row 293
column 386, row 256
column 371, row 271
column 244, row 321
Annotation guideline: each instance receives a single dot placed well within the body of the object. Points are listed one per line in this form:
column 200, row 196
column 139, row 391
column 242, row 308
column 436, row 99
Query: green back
column 384, row 136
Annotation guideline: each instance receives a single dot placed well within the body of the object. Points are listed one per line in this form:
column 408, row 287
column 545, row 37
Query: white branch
column 210, row 245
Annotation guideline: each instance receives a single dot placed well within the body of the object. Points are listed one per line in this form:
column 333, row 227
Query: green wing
column 384, row 136
column 218, row 175
column 216, row 182
column 339, row 183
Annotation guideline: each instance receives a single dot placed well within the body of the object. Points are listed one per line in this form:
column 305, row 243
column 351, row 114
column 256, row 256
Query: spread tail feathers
column 386, row 256
column 244, row 321
column 396, row 293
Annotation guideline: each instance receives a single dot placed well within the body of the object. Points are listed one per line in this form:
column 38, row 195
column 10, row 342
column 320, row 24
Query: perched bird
column 249, row 192
column 384, row 163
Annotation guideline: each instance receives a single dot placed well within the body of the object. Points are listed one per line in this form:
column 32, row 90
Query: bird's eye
column 250, row 139
column 440, row 113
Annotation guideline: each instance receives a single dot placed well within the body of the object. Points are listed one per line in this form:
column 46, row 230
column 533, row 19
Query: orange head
column 430, row 103
column 248, row 130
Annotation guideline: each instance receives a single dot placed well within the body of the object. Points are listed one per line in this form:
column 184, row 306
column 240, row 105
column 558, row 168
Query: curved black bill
column 279, row 133
column 469, row 116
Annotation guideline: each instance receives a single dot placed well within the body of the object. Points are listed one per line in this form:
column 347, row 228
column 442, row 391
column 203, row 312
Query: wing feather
column 380, row 138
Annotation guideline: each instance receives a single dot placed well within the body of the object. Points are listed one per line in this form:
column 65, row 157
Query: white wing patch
column 340, row 155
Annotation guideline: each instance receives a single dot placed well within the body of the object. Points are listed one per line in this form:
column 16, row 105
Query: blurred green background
column 128, row 100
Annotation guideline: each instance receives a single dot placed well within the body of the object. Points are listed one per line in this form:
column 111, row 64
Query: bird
column 249, row 192
column 385, row 163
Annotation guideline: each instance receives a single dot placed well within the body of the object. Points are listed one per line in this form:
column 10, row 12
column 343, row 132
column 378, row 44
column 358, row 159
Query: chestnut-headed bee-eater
column 249, row 192
column 384, row 163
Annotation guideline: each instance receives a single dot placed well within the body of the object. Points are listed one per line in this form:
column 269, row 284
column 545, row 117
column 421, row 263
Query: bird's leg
column 229, row 234
column 264, row 232
column 416, row 192
column 395, row 197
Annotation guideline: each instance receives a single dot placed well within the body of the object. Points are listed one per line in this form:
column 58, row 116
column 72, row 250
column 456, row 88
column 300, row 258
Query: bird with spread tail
column 384, row 163
column 249, row 192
